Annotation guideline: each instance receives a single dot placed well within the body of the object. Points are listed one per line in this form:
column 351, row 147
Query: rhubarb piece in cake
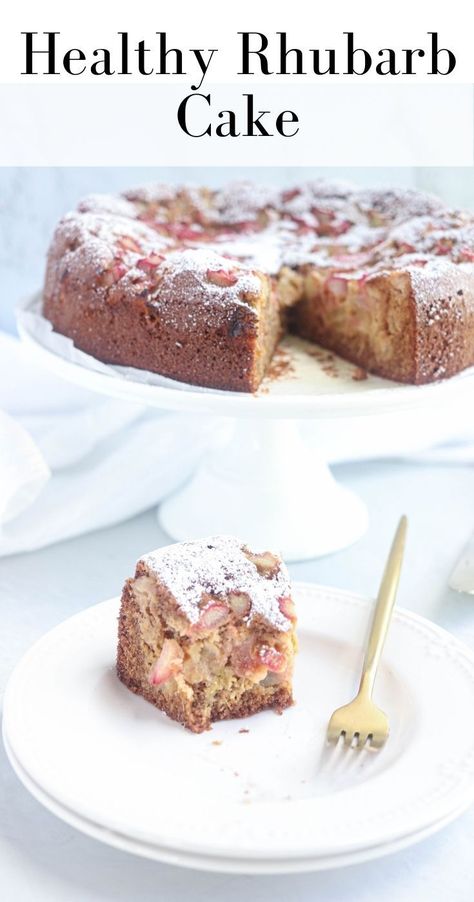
column 207, row 631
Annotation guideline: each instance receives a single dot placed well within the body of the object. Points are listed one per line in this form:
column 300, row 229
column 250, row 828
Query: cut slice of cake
column 207, row 631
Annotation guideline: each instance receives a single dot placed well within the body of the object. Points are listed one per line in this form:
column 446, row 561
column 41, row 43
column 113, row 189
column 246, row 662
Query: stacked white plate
column 261, row 795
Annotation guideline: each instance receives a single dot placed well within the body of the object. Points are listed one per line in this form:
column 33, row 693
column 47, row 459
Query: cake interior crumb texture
column 207, row 631
column 200, row 285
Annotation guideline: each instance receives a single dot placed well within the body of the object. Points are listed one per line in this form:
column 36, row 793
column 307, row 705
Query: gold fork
column 361, row 723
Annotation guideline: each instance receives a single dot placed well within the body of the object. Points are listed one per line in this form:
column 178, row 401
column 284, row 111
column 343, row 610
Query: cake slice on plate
column 207, row 631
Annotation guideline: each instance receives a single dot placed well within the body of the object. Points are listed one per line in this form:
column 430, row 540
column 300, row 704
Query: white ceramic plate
column 309, row 388
column 267, row 800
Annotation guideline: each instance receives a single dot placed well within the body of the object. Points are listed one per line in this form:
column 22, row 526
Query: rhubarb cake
column 207, row 631
column 200, row 285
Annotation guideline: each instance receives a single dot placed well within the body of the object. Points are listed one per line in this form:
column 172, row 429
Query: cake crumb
column 359, row 374
column 243, row 730
column 216, row 742
column 281, row 365
column 326, row 360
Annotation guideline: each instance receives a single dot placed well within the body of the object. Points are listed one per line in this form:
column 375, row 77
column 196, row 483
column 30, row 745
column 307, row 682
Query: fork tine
column 354, row 739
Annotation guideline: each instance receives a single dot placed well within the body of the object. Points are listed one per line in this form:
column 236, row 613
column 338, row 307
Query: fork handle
column 383, row 609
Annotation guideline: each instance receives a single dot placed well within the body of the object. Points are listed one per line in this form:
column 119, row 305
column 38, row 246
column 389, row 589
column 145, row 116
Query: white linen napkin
column 72, row 461
column 23, row 469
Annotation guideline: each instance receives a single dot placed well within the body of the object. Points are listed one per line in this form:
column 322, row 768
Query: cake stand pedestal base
column 266, row 486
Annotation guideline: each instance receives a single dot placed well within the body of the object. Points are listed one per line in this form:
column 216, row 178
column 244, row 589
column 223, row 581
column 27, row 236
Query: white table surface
column 43, row 860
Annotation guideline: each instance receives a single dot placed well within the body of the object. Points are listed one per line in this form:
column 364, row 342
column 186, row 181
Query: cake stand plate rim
column 385, row 398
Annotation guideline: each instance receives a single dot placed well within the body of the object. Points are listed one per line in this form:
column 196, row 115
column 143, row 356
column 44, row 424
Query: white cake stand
column 264, row 483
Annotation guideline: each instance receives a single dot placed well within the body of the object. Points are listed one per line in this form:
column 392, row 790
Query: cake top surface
column 216, row 246
column 217, row 566
column 203, row 275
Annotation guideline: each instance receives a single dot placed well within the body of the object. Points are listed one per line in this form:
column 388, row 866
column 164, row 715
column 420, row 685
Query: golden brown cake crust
column 196, row 284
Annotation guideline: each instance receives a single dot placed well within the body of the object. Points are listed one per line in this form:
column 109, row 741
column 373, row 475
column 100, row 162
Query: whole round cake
column 200, row 285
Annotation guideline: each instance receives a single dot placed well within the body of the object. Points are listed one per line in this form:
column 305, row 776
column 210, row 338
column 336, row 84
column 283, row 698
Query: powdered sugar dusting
column 396, row 204
column 438, row 287
column 319, row 223
column 208, row 277
column 197, row 255
column 152, row 194
column 242, row 201
column 217, row 566
column 107, row 203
